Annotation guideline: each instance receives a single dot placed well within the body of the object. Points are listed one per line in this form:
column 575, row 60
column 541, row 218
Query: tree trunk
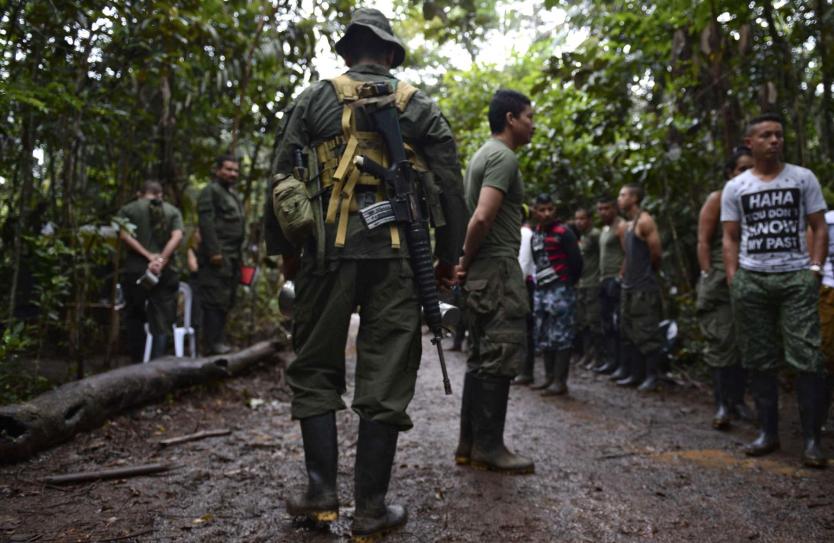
column 23, row 205
column 56, row 416
column 826, row 66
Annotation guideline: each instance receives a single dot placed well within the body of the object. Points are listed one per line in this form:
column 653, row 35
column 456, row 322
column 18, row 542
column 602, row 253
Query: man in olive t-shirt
column 157, row 231
column 496, row 298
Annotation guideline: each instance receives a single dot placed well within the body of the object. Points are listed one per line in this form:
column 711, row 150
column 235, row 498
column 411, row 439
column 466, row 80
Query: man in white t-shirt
column 774, row 282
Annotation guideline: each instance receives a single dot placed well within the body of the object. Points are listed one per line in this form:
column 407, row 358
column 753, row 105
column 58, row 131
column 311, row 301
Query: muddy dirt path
column 610, row 466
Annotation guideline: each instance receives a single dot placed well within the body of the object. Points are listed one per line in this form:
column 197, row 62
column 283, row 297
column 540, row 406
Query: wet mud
column 611, row 465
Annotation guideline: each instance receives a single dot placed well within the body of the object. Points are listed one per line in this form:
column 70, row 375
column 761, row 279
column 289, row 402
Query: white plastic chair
column 180, row 332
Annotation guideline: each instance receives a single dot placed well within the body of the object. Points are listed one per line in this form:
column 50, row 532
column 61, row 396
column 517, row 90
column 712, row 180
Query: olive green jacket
column 315, row 117
column 221, row 221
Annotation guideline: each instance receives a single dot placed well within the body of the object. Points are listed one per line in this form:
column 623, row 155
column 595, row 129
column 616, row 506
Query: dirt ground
column 611, row 465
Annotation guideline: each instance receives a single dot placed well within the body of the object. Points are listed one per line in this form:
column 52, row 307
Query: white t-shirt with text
column 772, row 218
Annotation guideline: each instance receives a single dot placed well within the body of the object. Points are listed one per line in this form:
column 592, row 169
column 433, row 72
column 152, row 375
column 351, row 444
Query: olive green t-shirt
column 138, row 213
column 495, row 165
column 611, row 252
column 589, row 246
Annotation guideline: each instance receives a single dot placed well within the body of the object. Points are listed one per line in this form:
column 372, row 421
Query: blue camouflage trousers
column 554, row 308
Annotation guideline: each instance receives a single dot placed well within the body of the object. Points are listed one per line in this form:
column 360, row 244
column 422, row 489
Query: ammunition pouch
column 292, row 207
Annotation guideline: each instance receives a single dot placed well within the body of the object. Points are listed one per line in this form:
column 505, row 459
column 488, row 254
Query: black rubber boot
column 460, row 334
column 375, row 452
column 489, row 413
column 811, row 395
column 609, row 355
column 214, row 325
column 561, row 369
column 636, row 365
column 736, row 389
column 464, row 450
column 721, row 378
column 548, row 373
column 321, row 501
column 652, row 364
column 624, row 362
column 159, row 346
column 526, row 375
column 765, row 389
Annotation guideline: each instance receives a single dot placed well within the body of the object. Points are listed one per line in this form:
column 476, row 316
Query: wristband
column 704, row 273
column 816, row 268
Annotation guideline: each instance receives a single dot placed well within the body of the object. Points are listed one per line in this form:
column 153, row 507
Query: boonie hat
column 375, row 21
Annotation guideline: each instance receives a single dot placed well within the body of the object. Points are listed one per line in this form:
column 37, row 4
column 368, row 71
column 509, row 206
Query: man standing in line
column 219, row 254
column 496, row 298
column 610, row 267
column 353, row 267
column 774, row 282
column 641, row 307
column 558, row 268
column 587, row 292
column 715, row 312
column 157, row 234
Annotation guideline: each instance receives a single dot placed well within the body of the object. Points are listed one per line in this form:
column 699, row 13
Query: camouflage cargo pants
column 388, row 344
column 588, row 310
column 554, row 308
column 715, row 317
column 640, row 314
column 773, row 305
column 496, row 310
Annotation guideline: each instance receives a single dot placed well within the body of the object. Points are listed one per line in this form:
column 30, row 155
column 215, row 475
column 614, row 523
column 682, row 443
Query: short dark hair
column 732, row 161
column 607, row 199
column 505, row 101
column 365, row 45
column 218, row 162
column 586, row 210
column 543, row 198
column 636, row 190
column 764, row 118
column 152, row 186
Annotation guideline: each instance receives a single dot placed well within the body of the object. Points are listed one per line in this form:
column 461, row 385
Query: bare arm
column 730, row 241
column 489, row 202
column 819, row 248
column 647, row 229
column 708, row 221
column 621, row 231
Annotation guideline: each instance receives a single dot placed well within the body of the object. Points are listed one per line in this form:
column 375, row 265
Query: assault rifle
column 404, row 206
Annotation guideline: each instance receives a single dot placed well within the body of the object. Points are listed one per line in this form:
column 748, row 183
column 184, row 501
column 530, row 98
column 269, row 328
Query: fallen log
column 57, row 415
column 194, row 437
column 114, row 473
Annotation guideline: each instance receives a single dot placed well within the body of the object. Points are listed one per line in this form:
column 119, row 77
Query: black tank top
column 638, row 273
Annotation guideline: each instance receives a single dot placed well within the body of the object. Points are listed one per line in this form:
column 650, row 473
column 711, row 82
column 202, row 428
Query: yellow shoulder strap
column 345, row 88
column 403, row 95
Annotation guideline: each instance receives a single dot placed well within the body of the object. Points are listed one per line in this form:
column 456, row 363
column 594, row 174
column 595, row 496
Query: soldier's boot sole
column 376, row 529
column 463, row 454
column 320, row 513
column 556, row 389
column 763, row 445
column 541, row 386
column 813, row 457
column 721, row 419
column 507, row 470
